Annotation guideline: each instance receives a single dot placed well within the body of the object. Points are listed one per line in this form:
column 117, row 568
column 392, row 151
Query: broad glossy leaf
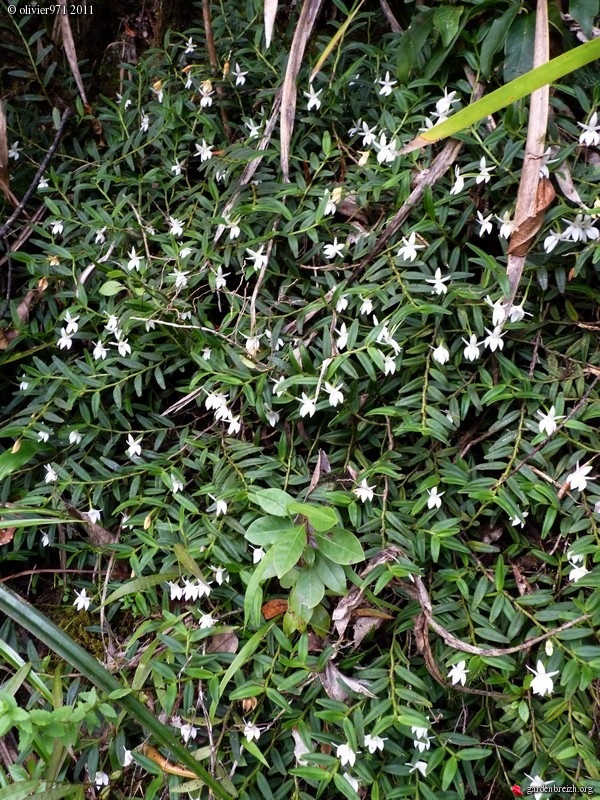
column 341, row 546
column 273, row 501
column 288, row 549
column 268, row 530
column 321, row 518
column 309, row 587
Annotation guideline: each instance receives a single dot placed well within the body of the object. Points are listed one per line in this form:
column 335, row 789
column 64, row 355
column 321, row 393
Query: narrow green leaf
column 9, row 461
column 187, row 562
column 242, row 657
column 139, row 585
column 449, row 772
column 252, row 748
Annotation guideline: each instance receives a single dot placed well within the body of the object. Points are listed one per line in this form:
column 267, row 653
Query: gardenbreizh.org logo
column 543, row 790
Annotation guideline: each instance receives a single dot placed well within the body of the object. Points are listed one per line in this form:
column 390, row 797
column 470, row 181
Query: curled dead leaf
column 249, row 704
column 226, row 642
column 524, row 234
column 273, row 608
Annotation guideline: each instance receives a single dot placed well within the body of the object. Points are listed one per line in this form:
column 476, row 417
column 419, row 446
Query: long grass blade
column 514, row 90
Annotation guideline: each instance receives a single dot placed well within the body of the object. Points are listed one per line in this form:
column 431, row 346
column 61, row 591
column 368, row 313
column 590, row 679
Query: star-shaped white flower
column 578, row 478
column 542, row 683
column 420, row 766
column 175, row 226
column 434, row 499
column 188, row 732
column 386, row 152
column 485, row 223
column 409, row 248
column 335, row 394
column 308, row 405
column 134, row 260
column 331, row 251
column 363, row 491
column 438, row 283
column 547, row 423
column 458, row 673
column 100, row 352
column 506, row 225
column 204, row 150
column 82, row 601
column 494, row 339
column 536, row 783
column 484, row 172
column 386, row 84
column 65, row 341
column 441, row 354
column 313, row 98
column 345, row 754
column 175, row 591
column 498, row 312
column 71, row 326
column 134, row 447
column 101, row 779
column 258, row 258
column 459, row 185
column 240, row 77
column 51, row 474
column 374, row 743
column 342, row 339
column 251, row 732
column 590, row 135
column 471, row 351
column 207, row 621
column 581, row 229
column 577, row 572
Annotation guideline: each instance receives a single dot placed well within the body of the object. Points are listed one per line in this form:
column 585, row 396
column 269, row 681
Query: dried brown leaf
column 4, row 176
column 69, row 45
column 525, row 233
column 97, row 535
column 362, row 627
column 523, row 586
column 532, row 192
column 334, row 682
column 226, row 642
column 273, row 608
column 566, row 185
column 306, row 21
column 322, row 465
column 270, row 12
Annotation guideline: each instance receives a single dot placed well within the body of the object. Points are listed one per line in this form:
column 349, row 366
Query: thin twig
column 38, row 175
column 214, row 63
column 422, row 597
column 259, row 280
column 428, row 178
column 387, row 13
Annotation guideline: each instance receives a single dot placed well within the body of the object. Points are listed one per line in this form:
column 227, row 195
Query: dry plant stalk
column 535, row 194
